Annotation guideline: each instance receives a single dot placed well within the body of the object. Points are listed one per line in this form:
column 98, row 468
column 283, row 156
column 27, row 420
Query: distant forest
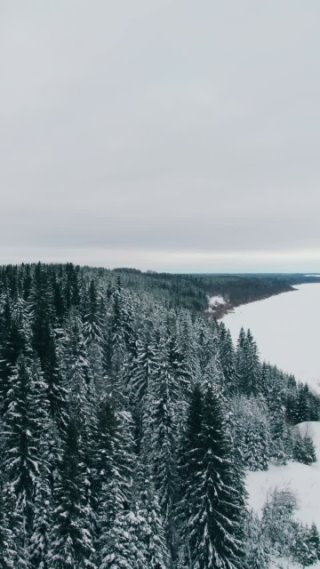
column 128, row 421
column 192, row 290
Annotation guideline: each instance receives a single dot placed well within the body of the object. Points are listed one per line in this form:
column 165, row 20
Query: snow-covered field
column 302, row 480
column 286, row 329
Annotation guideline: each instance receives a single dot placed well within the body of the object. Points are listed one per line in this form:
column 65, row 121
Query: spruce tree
column 212, row 504
column 163, row 444
column 150, row 528
column 23, row 424
column 227, row 358
column 9, row 548
column 116, row 520
column 72, row 533
column 39, row 549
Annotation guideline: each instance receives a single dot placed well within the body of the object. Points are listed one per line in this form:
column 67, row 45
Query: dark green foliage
column 23, row 424
column 8, row 546
column 227, row 357
column 303, row 449
column 211, row 501
column 313, row 545
column 72, row 525
column 248, row 368
column 127, row 419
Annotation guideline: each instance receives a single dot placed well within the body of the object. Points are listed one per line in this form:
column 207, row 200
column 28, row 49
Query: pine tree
column 55, row 378
column 42, row 311
column 211, row 503
column 104, row 444
column 92, row 325
column 116, row 357
column 150, row 528
column 141, row 382
column 248, row 365
column 163, row 447
column 252, row 433
column 303, row 449
column 187, row 469
column 40, row 537
column 93, row 332
column 72, row 533
column 78, row 373
column 121, row 549
column 189, row 346
column 116, row 520
column 227, row 358
column 23, row 424
column 13, row 344
column 9, row 558
column 313, row 544
column 258, row 550
column 278, row 525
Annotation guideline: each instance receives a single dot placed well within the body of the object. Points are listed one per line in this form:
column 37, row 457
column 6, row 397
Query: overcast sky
column 162, row 134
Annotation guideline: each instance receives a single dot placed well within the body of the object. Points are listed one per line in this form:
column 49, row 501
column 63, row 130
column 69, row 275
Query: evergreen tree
column 56, row 381
column 9, row 553
column 257, row 550
column 163, row 446
column 227, row 358
column 303, row 449
column 278, row 525
column 72, row 534
column 13, row 343
column 150, row 528
column 121, row 549
column 214, row 509
column 142, row 380
column 313, row 544
column 248, row 365
column 23, row 424
column 40, row 538
column 116, row 520
column 251, row 432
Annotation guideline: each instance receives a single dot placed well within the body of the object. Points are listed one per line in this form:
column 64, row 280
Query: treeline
column 191, row 291
column 127, row 426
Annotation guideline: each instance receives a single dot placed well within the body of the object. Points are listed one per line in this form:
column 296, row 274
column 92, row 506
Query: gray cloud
column 163, row 134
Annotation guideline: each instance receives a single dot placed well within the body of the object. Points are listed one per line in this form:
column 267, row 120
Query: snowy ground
column 285, row 564
column 302, row 480
column 286, row 329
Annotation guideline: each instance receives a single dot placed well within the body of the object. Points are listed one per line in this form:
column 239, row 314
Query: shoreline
column 221, row 310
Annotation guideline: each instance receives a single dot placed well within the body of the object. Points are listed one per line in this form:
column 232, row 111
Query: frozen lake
column 286, row 328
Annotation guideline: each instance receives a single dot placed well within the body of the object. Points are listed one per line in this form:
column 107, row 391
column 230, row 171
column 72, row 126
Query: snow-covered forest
column 127, row 428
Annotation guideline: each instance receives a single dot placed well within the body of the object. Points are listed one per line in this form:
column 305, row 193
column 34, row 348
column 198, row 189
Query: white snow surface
column 286, row 329
column 301, row 479
column 283, row 563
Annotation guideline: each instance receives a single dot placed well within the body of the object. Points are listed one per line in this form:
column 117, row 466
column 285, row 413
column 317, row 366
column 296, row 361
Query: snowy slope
column 285, row 564
column 302, row 480
column 285, row 328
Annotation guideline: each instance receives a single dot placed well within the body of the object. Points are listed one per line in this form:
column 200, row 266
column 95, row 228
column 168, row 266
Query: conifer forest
column 128, row 423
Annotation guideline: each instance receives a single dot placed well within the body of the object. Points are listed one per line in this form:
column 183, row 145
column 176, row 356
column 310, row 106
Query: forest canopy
column 128, row 421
